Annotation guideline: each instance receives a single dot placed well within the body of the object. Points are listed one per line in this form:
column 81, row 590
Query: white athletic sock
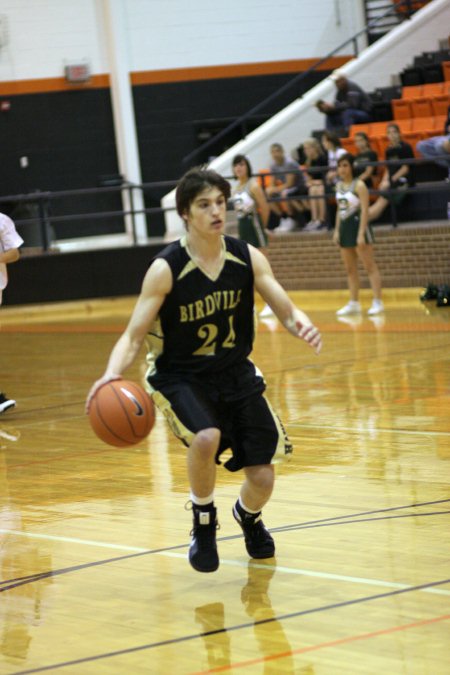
column 242, row 505
column 202, row 501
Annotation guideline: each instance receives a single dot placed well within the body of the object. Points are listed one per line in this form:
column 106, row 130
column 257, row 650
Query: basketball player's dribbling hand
column 96, row 386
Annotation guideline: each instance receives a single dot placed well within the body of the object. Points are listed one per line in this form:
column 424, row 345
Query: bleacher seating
column 420, row 112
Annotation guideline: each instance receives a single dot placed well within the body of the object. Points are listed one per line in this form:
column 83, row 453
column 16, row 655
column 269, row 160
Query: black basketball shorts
column 233, row 402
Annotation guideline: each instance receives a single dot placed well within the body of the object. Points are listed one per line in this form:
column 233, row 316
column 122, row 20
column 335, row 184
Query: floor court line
column 248, row 624
column 325, row 645
column 409, row 432
column 224, row 561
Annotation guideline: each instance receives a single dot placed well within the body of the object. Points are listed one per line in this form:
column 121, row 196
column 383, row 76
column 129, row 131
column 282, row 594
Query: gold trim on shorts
column 284, row 448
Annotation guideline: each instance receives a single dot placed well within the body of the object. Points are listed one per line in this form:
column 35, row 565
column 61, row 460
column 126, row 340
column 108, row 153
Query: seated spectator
column 396, row 176
column 315, row 165
column 365, row 154
column 287, row 180
column 332, row 146
column 351, row 105
column 438, row 146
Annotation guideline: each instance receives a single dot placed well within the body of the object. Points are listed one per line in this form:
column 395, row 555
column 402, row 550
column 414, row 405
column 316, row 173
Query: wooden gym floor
column 93, row 540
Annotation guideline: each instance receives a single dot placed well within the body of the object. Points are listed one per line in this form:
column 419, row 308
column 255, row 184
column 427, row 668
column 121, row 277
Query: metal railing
column 404, row 7
column 44, row 220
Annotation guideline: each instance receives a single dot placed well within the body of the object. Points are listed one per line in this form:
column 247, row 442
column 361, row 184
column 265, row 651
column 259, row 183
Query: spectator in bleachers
column 315, row 166
column 438, row 146
column 351, row 105
column 286, row 180
column 354, row 236
column 364, row 155
column 396, row 176
column 333, row 148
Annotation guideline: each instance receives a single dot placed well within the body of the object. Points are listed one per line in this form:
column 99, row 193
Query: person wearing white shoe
column 250, row 204
column 376, row 308
column 10, row 241
column 252, row 210
column 354, row 236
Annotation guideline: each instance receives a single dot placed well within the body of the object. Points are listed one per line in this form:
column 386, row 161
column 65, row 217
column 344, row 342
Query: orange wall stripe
column 42, row 85
column 234, row 70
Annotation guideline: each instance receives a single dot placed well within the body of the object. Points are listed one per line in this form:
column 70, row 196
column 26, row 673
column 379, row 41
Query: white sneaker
column 376, row 308
column 286, row 225
column 352, row 307
column 265, row 312
column 312, row 225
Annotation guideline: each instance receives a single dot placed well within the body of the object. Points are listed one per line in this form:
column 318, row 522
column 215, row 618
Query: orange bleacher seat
column 439, row 124
column 401, row 108
column 380, row 144
column 421, row 107
column 446, row 70
column 264, row 178
column 355, row 128
column 412, row 92
column 440, row 104
column 446, row 88
column 404, row 124
column 349, row 145
column 433, row 89
column 378, row 128
column 423, row 124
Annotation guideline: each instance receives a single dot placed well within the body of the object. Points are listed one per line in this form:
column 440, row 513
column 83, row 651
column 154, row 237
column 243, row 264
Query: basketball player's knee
column 207, row 442
column 262, row 477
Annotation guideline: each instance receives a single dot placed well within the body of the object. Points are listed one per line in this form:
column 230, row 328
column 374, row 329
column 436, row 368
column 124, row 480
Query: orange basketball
column 121, row 413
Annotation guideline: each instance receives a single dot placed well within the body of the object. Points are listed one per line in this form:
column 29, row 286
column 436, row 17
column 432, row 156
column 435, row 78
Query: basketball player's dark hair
column 242, row 158
column 348, row 157
column 196, row 180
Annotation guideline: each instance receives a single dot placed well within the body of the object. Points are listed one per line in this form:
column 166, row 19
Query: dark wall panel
column 72, row 276
column 170, row 115
column 68, row 138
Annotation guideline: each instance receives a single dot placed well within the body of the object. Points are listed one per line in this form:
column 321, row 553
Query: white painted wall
column 372, row 69
column 189, row 33
column 44, row 35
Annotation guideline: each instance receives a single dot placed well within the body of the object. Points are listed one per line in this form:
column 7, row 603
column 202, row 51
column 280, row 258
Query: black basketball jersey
column 204, row 325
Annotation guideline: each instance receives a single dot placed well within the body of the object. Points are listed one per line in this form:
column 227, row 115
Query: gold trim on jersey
column 190, row 267
column 163, row 404
column 284, row 448
column 193, row 264
column 233, row 258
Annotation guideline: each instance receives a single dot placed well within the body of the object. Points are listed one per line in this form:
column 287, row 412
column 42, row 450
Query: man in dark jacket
column 351, row 105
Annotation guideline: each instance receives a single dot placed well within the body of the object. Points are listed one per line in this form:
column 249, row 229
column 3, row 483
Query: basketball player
column 10, row 242
column 197, row 303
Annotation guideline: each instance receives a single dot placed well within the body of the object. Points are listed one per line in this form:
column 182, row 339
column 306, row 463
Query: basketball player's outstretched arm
column 292, row 318
column 157, row 284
